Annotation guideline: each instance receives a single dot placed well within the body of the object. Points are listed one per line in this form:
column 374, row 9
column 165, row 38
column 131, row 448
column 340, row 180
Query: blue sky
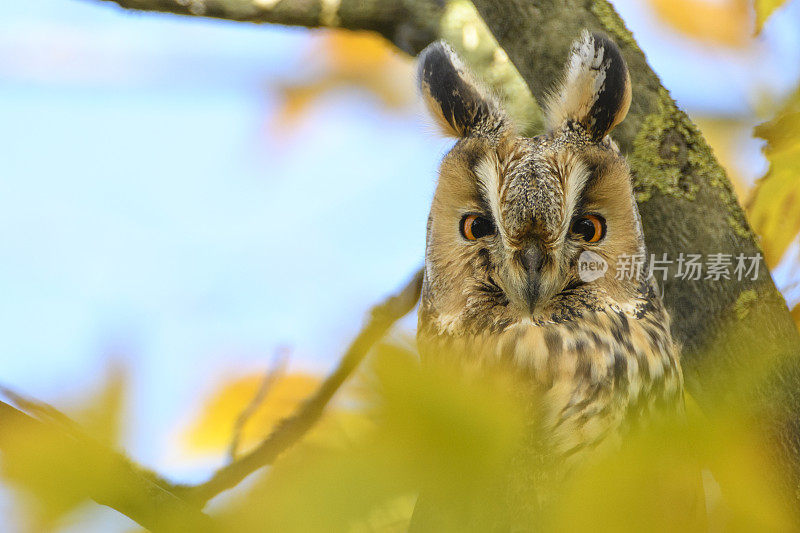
column 146, row 215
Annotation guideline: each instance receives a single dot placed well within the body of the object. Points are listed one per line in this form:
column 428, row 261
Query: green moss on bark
column 463, row 28
column 612, row 22
column 662, row 152
column 671, row 156
column 744, row 303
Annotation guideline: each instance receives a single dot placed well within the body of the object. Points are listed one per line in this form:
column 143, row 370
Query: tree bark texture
column 741, row 348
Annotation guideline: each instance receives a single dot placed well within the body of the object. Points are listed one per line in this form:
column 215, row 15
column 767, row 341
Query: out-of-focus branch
column 111, row 479
column 276, row 371
column 292, row 429
column 108, row 477
column 408, row 24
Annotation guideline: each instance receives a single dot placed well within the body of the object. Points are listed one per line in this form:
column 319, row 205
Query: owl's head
column 512, row 215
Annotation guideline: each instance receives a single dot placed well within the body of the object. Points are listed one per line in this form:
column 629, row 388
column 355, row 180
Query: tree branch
column 292, row 429
column 114, row 481
column 108, row 477
column 275, row 373
column 410, row 24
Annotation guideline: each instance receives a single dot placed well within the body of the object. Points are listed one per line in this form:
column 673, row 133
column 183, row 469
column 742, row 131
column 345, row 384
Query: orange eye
column 473, row 227
column 590, row 228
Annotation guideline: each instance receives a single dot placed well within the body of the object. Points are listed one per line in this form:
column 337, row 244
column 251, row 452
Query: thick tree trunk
column 741, row 348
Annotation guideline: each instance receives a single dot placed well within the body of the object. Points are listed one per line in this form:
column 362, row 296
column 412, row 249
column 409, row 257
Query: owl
column 514, row 224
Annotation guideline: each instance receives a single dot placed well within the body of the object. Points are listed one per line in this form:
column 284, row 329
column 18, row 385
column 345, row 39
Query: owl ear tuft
column 461, row 106
column 596, row 90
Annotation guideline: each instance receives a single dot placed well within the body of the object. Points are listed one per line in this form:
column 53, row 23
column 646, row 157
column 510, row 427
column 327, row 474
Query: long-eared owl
column 511, row 221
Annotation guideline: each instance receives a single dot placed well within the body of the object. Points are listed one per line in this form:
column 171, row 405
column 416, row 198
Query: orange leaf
column 347, row 60
column 356, row 51
column 725, row 23
column 296, row 101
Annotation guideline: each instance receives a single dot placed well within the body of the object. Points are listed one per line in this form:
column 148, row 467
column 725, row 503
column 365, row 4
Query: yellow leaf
column 427, row 426
column 453, row 433
column 213, row 430
column 725, row 23
column 733, row 449
column 765, row 8
column 47, row 464
column 55, row 460
column 658, row 471
column 774, row 207
column 724, row 135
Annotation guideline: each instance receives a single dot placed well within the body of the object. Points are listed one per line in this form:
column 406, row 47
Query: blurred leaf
column 101, row 416
column 347, row 60
column 725, row 23
column 296, row 100
column 455, row 433
column 39, row 461
column 774, row 207
column 460, row 433
column 428, row 426
column 765, row 8
column 796, row 315
column 212, row 431
column 356, row 53
column 57, row 460
column 724, row 136
column 445, row 420
column 339, row 428
column 316, row 489
column 734, row 449
column 652, row 484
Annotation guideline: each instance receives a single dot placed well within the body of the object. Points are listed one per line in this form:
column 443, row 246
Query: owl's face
column 511, row 216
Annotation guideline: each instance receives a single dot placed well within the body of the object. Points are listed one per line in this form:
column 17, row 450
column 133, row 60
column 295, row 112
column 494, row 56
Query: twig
column 276, row 370
column 41, row 410
column 291, row 429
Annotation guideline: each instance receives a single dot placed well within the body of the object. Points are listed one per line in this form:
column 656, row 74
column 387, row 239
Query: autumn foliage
column 398, row 427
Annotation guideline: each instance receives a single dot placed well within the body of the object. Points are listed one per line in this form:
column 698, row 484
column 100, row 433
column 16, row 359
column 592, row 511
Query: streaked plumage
column 598, row 354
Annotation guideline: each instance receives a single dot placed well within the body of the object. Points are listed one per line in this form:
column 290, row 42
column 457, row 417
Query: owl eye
column 473, row 227
column 590, row 228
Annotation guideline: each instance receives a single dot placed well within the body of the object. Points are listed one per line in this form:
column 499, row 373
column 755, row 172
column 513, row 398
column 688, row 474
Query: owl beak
column 532, row 260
